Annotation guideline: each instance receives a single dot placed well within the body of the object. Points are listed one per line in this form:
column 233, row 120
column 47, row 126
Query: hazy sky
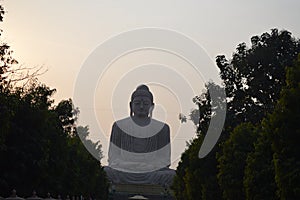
column 61, row 34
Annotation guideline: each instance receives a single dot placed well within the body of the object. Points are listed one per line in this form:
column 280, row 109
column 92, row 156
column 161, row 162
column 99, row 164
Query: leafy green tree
column 253, row 79
column 86, row 175
column 6, row 59
column 178, row 185
column 259, row 179
column 254, row 76
column 233, row 160
column 1, row 13
column 284, row 123
column 196, row 178
column 39, row 146
column 25, row 143
column 274, row 165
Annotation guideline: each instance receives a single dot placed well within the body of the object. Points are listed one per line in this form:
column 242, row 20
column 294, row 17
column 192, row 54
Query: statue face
column 141, row 106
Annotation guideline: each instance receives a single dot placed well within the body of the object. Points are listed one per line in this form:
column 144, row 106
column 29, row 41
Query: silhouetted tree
column 274, row 164
column 6, row 59
column 196, row 178
column 285, row 131
column 259, row 179
column 233, row 160
column 253, row 79
column 39, row 146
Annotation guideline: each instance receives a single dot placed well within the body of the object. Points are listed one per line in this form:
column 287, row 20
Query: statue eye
column 137, row 102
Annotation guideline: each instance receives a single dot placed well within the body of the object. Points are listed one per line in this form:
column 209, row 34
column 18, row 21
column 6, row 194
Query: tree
column 26, row 141
column 274, row 164
column 39, row 146
column 233, row 160
column 259, row 178
column 196, row 178
column 6, row 59
column 284, row 123
column 253, row 79
column 93, row 148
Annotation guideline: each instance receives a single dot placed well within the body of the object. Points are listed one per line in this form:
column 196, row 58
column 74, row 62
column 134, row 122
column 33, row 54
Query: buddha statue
column 139, row 150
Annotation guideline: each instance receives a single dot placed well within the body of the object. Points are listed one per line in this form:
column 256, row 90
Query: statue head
column 141, row 104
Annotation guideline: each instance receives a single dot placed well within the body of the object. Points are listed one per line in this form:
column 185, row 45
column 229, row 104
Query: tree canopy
column 255, row 156
column 39, row 146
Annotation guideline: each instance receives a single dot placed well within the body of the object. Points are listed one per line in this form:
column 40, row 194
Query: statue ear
column 130, row 106
column 151, row 110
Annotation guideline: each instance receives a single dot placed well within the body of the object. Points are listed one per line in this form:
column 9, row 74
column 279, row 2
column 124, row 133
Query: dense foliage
column 256, row 156
column 39, row 146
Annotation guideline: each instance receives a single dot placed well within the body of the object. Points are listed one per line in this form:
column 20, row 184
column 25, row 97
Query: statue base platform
column 125, row 191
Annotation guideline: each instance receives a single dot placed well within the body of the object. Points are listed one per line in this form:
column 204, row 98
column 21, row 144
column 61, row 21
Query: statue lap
column 163, row 177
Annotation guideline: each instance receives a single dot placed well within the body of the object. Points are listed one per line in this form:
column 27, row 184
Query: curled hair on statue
column 142, row 90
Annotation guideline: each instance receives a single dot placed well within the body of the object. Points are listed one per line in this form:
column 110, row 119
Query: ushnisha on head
column 141, row 104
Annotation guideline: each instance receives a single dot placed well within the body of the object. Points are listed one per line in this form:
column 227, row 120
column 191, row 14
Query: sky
column 62, row 34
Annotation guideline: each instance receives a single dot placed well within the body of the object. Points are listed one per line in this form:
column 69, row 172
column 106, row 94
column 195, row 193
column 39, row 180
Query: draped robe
column 140, row 154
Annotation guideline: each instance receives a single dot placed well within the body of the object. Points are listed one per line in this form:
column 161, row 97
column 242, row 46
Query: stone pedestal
column 153, row 192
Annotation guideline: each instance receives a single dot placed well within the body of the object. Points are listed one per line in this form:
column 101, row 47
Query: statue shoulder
column 122, row 122
column 158, row 123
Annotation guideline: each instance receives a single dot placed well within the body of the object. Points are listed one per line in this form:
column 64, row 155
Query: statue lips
column 142, row 111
